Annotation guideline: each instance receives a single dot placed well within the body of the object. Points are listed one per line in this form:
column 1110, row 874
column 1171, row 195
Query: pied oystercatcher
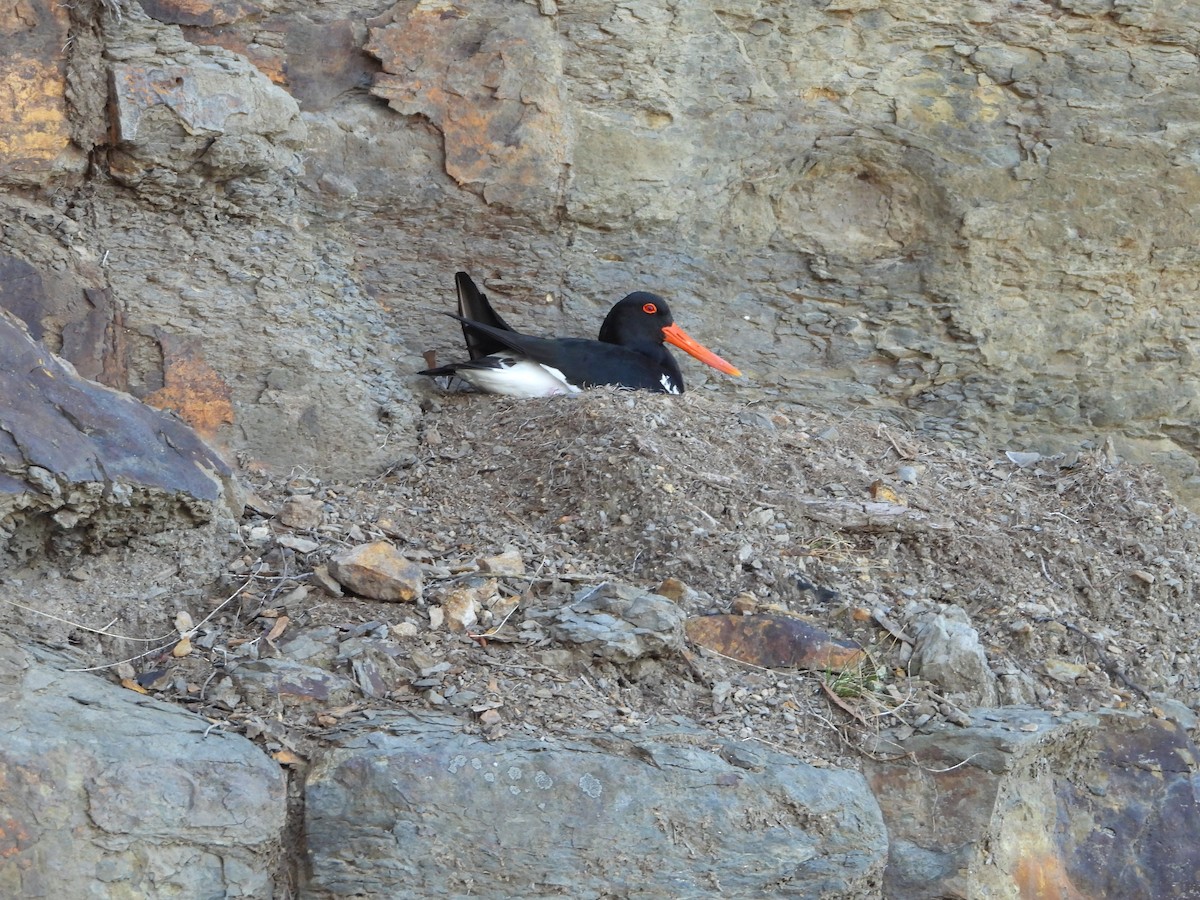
column 630, row 352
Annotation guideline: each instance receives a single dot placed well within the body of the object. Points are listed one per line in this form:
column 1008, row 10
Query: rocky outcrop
column 104, row 786
column 108, row 791
column 420, row 808
column 922, row 211
column 85, row 465
column 1028, row 804
column 977, row 219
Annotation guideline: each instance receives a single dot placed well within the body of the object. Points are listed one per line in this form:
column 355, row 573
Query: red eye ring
column 649, row 309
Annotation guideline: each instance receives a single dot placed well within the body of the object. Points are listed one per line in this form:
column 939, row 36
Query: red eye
column 649, row 309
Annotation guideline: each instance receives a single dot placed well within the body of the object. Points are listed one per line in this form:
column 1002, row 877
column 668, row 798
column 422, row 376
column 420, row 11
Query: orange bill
column 677, row 337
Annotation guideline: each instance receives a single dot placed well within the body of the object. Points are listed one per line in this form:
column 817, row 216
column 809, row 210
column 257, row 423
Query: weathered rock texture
column 978, row 216
column 109, row 793
column 106, row 788
column 620, row 623
column 429, row 811
column 83, row 464
column 1026, row 804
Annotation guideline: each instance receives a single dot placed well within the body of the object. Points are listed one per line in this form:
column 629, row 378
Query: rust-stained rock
column 245, row 41
column 83, row 458
column 488, row 75
column 199, row 12
column 35, row 133
column 87, row 325
column 1023, row 803
column 1124, row 809
column 193, row 388
column 378, row 571
column 318, row 63
column 774, row 641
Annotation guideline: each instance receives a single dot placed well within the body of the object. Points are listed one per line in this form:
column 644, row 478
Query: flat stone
column 773, row 640
column 92, row 460
column 299, row 544
column 655, row 815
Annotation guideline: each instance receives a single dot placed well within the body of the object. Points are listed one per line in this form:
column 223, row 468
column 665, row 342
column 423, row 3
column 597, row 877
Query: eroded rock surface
column 422, row 809
column 1025, row 803
column 891, row 208
column 82, row 463
column 106, row 790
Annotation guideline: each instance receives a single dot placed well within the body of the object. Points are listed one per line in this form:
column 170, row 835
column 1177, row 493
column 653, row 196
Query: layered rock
column 425, row 809
column 83, row 464
column 106, row 790
column 1025, row 803
column 927, row 210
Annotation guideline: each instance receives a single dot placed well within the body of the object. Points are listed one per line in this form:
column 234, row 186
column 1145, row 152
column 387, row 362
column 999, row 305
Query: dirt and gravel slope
column 1079, row 574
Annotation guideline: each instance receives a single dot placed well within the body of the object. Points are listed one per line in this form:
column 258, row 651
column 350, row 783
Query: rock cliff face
column 977, row 216
column 977, row 219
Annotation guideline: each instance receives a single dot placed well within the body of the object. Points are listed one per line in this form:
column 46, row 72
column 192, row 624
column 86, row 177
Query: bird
column 630, row 351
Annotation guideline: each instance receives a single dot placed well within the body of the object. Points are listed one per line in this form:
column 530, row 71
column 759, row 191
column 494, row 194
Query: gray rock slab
column 423, row 809
column 76, row 456
column 106, row 793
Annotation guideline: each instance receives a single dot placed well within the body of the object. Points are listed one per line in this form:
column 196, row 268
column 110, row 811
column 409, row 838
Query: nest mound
column 1085, row 558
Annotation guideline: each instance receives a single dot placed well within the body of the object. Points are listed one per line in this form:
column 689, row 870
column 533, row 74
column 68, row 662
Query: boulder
column 82, row 463
column 1029, row 804
column 110, row 793
column 423, row 809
